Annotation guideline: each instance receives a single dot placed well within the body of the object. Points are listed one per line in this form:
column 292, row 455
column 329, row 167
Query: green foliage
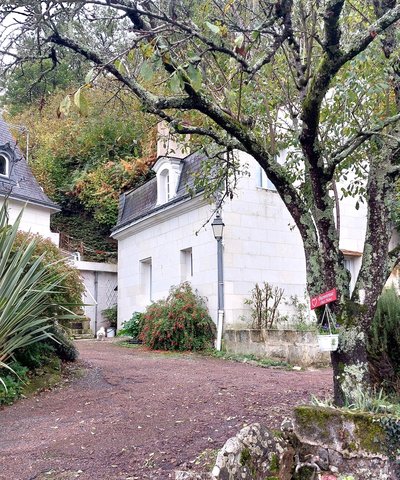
column 366, row 401
column 34, row 355
column 30, row 366
column 384, row 340
column 64, row 347
column 70, row 288
column 181, row 322
column 133, row 327
column 111, row 315
column 45, row 80
column 13, row 382
column 81, row 233
column 250, row 358
column 391, row 425
column 28, row 288
column 85, row 162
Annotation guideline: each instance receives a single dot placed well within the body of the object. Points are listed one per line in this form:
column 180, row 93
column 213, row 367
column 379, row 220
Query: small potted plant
column 328, row 337
column 111, row 316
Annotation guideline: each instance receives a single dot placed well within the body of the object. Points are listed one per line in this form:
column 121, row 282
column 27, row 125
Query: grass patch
column 126, row 344
column 235, row 357
column 249, row 358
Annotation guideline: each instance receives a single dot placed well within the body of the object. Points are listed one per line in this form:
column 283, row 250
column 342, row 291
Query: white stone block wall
column 259, row 245
column 163, row 242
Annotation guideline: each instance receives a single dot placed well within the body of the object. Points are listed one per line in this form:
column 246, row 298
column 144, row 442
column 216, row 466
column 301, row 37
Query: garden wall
column 297, row 348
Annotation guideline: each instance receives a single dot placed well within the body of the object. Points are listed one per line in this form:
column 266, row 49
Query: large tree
column 319, row 79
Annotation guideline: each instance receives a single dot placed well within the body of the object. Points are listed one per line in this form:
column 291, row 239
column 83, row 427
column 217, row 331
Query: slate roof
column 141, row 202
column 21, row 184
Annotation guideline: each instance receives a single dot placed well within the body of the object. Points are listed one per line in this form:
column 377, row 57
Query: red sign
column 323, row 299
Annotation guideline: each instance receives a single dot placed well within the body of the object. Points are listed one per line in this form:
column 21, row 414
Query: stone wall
column 297, row 348
column 320, row 443
column 347, row 443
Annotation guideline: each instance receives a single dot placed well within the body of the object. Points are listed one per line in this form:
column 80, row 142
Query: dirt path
column 140, row 415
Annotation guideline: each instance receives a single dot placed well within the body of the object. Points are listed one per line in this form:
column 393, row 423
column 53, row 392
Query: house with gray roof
column 164, row 239
column 21, row 189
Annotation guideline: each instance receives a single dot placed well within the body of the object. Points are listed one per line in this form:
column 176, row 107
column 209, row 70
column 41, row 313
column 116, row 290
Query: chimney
column 168, row 145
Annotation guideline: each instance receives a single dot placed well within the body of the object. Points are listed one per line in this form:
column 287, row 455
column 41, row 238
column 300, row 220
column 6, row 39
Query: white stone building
column 161, row 241
column 22, row 190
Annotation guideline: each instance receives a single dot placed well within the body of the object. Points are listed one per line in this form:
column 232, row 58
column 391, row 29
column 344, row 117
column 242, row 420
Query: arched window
column 4, row 166
column 165, row 185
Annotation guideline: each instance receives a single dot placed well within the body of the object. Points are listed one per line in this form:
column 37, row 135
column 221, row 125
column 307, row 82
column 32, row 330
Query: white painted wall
column 35, row 218
column 260, row 244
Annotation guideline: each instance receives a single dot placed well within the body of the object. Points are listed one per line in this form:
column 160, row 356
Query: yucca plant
column 26, row 286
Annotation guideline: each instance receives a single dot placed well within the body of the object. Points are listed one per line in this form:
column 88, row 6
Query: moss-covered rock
column 351, row 433
column 346, row 441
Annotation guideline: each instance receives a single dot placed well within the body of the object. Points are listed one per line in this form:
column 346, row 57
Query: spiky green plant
column 26, row 285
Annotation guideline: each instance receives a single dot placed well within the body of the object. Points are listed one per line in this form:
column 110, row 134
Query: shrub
column 264, row 303
column 132, row 327
column 181, row 322
column 384, row 340
column 13, row 382
column 64, row 348
column 35, row 355
column 29, row 287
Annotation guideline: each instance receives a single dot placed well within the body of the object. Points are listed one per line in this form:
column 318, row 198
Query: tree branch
column 351, row 145
column 330, row 64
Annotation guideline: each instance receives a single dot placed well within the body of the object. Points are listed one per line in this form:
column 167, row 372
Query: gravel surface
column 135, row 414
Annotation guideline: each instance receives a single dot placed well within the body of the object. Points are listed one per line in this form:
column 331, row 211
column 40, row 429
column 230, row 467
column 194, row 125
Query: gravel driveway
column 135, row 414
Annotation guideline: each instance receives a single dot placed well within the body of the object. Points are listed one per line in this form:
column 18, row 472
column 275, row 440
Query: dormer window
column 4, row 166
column 168, row 171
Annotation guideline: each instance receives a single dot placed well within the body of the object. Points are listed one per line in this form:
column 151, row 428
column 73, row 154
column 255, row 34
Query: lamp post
column 218, row 229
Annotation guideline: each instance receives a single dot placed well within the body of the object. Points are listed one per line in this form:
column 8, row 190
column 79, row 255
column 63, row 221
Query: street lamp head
column 218, row 226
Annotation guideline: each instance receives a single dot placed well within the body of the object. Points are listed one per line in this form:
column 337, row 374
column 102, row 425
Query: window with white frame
column 186, row 264
column 165, row 186
column 146, row 278
column 263, row 181
column 4, row 166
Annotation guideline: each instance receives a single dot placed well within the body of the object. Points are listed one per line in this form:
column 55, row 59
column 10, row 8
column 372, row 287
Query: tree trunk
column 351, row 377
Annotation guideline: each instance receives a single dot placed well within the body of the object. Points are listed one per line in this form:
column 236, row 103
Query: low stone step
column 83, row 336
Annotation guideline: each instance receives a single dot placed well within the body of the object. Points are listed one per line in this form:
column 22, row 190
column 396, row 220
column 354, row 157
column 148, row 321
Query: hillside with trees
column 84, row 160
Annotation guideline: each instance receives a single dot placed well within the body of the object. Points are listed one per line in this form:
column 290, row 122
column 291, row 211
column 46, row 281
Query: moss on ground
column 45, row 377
